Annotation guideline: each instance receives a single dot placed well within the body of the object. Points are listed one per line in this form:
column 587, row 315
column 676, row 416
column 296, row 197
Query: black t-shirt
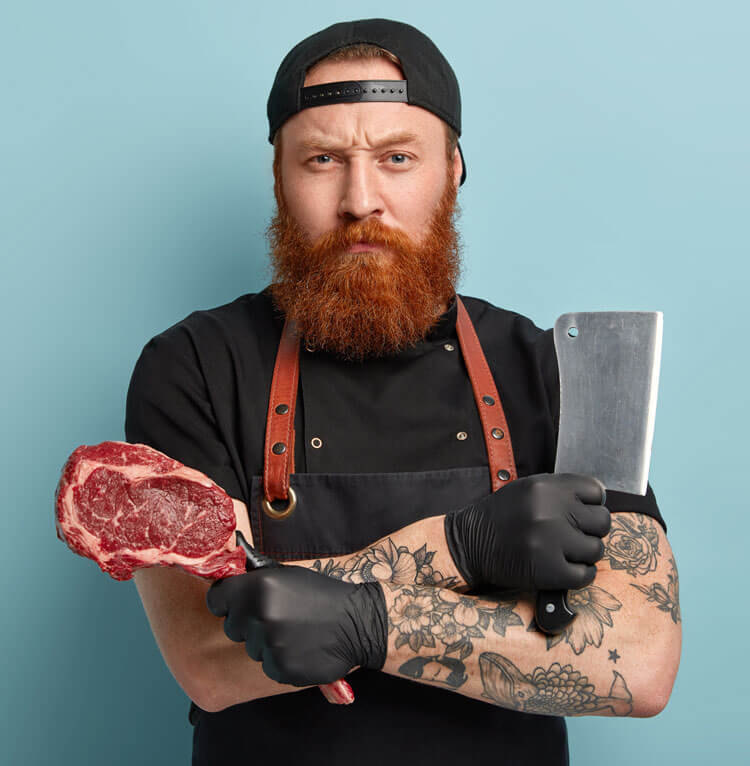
column 199, row 393
column 200, row 389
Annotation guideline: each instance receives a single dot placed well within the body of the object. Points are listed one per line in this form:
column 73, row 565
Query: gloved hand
column 304, row 627
column 540, row 532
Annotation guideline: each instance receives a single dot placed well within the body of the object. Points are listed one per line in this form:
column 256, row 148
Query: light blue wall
column 607, row 149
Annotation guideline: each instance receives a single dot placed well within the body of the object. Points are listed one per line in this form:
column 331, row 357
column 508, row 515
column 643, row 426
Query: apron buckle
column 269, row 510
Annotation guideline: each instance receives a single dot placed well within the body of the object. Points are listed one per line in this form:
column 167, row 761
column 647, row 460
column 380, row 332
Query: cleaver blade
column 609, row 365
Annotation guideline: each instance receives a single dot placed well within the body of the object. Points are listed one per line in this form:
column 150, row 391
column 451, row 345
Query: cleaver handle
column 552, row 613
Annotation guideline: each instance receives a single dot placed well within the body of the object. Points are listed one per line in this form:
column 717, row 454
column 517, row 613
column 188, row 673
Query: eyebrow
column 324, row 143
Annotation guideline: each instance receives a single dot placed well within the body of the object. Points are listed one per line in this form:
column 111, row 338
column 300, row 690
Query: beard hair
column 367, row 304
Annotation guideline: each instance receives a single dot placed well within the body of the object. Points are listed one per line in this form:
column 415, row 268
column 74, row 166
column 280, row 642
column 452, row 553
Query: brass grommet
column 269, row 510
column 461, row 435
column 316, row 442
column 449, row 347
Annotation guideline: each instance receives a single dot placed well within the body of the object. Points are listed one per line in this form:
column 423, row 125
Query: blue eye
column 325, row 159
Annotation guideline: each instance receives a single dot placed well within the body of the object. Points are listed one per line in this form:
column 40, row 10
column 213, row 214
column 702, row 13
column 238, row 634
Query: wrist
column 370, row 624
column 456, row 529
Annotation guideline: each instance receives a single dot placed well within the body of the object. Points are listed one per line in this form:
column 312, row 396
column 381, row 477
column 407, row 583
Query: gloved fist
column 541, row 532
column 304, row 627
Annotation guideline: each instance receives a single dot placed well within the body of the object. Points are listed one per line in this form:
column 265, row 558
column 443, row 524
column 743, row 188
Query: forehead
column 368, row 120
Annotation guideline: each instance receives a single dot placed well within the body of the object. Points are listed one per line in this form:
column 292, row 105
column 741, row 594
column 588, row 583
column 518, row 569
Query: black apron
column 315, row 515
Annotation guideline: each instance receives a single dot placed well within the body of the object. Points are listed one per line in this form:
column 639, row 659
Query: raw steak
column 129, row 506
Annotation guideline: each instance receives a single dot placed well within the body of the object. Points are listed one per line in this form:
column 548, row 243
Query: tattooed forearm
column 559, row 690
column 445, row 623
column 437, row 636
column 386, row 563
column 592, row 606
column 632, row 544
column 667, row 599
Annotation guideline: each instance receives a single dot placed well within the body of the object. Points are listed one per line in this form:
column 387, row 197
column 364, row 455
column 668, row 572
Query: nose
column 360, row 196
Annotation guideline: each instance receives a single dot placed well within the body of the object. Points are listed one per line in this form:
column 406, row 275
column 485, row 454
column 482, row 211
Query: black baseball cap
column 430, row 81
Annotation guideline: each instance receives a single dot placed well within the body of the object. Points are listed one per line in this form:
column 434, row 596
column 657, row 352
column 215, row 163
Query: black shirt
column 200, row 390
column 199, row 393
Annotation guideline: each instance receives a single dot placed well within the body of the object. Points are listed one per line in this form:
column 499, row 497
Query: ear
column 457, row 167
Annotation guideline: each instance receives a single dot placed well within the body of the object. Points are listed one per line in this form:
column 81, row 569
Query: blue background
column 607, row 152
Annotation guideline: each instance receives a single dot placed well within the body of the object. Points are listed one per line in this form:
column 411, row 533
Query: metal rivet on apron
column 282, row 409
column 316, row 442
column 461, row 435
column 449, row 347
column 279, row 448
column 488, row 400
column 309, row 348
column 497, row 433
column 503, row 475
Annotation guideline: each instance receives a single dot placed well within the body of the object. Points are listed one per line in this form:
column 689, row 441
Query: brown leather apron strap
column 278, row 461
column 279, row 446
column 494, row 424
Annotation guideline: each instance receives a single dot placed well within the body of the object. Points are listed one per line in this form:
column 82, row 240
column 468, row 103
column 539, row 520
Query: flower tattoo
column 446, row 622
column 387, row 563
column 632, row 544
column 592, row 606
column 667, row 599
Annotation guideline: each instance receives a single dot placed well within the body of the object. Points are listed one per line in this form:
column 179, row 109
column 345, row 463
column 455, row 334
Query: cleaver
column 609, row 375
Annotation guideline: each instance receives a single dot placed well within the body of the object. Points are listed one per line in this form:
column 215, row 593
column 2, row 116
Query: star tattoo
column 613, row 655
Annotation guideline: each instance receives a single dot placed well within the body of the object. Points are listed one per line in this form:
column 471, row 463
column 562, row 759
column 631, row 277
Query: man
column 392, row 480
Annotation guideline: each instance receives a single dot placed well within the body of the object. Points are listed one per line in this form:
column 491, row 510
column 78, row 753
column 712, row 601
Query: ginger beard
column 365, row 304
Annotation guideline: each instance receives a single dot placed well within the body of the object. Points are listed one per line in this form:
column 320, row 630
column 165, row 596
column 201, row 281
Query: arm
column 542, row 531
column 414, row 555
column 169, row 407
column 216, row 672
column 209, row 668
column 619, row 656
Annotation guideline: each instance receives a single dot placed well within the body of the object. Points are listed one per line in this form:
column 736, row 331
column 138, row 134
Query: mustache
column 371, row 231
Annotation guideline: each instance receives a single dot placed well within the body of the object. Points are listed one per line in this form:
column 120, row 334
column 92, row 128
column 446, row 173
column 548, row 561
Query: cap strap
column 349, row 91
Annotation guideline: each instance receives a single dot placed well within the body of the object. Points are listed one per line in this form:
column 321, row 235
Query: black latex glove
column 541, row 532
column 304, row 627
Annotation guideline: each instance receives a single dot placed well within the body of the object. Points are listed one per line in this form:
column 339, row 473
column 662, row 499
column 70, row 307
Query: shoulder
column 500, row 319
column 235, row 317
column 220, row 331
column 506, row 333
column 183, row 354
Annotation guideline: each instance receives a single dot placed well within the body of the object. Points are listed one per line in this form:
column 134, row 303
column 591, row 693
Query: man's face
column 373, row 173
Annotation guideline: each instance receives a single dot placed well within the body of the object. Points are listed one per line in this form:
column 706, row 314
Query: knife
column 609, row 375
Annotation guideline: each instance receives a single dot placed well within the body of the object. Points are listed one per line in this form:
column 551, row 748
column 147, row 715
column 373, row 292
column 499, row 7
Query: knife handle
column 552, row 613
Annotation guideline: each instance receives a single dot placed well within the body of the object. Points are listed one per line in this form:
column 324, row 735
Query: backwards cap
column 430, row 82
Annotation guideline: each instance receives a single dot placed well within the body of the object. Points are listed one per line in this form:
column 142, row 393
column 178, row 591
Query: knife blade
column 609, row 363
